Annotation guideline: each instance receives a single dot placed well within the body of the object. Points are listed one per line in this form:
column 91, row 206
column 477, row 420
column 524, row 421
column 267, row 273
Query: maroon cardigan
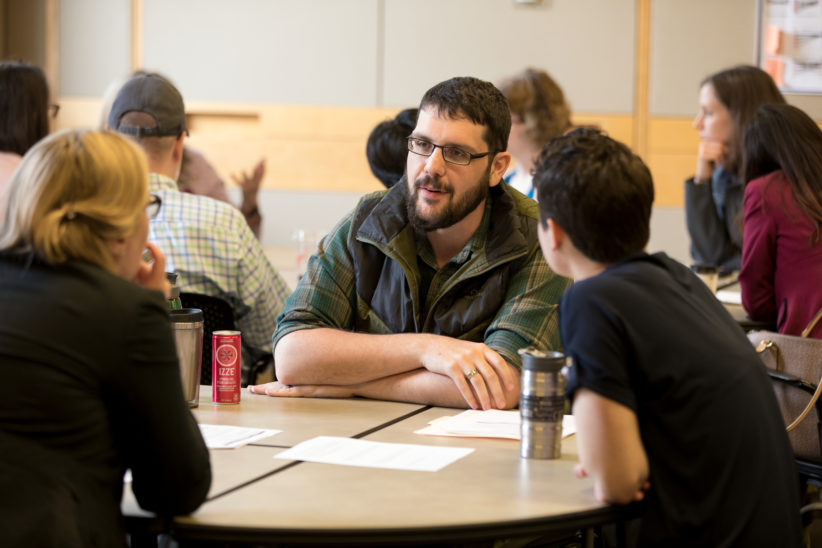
column 781, row 276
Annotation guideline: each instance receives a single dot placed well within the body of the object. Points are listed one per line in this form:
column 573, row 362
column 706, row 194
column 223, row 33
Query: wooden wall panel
column 618, row 126
column 322, row 149
column 672, row 151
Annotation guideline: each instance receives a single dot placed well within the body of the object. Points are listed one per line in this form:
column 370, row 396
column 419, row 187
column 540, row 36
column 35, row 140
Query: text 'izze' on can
column 225, row 367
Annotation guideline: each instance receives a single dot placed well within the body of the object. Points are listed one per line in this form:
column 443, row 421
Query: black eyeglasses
column 153, row 207
column 452, row 155
column 53, row 110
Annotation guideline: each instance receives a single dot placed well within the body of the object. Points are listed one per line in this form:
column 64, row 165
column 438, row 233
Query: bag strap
column 807, row 409
column 814, row 321
column 818, row 391
column 770, row 345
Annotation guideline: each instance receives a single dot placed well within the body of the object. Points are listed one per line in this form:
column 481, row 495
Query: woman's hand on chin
column 152, row 274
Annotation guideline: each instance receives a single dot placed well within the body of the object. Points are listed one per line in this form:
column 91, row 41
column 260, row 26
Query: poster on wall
column 790, row 44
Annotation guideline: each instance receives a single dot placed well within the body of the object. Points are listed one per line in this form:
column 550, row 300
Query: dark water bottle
column 542, row 403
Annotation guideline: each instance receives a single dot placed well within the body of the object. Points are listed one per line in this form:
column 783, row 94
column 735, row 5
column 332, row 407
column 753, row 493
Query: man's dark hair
column 24, row 106
column 476, row 100
column 598, row 191
column 387, row 147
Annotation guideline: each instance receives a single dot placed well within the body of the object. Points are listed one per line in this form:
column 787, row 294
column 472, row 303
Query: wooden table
column 300, row 419
column 491, row 493
column 738, row 312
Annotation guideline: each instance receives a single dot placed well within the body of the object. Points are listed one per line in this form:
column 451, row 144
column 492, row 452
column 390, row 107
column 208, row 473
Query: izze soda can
column 225, row 367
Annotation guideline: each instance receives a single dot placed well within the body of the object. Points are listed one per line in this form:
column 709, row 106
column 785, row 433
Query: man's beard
column 452, row 212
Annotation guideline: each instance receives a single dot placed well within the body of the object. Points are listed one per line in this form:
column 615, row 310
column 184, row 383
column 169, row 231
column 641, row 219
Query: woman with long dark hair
column 782, row 252
column 713, row 196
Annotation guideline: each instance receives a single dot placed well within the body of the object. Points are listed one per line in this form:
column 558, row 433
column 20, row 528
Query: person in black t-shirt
column 672, row 403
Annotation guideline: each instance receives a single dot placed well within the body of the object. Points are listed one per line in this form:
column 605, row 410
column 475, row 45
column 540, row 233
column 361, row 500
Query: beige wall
column 301, row 82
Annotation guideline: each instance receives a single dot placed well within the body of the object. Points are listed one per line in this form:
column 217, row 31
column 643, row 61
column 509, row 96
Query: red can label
column 225, row 367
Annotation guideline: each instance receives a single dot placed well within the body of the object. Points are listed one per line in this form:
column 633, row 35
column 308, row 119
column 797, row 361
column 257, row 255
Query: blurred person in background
column 24, row 115
column 539, row 112
column 387, row 147
column 197, row 175
column 713, row 196
column 207, row 242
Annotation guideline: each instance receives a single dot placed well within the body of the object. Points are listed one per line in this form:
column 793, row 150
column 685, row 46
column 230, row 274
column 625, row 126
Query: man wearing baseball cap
column 207, row 242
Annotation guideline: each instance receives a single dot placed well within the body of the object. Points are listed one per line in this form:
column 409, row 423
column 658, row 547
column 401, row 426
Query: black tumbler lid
column 545, row 361
column 186, row 315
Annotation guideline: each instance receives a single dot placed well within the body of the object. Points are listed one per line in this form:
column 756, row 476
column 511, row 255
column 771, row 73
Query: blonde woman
column 90, row 377
column 539, row 112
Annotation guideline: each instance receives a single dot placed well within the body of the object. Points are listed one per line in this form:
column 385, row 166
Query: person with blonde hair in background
column 539, row 112
column 91, row 384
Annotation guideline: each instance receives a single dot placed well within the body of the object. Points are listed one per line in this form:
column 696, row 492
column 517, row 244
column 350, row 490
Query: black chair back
column 217, row 316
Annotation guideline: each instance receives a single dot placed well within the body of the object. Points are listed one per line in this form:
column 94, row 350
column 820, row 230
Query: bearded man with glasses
column 426, row 291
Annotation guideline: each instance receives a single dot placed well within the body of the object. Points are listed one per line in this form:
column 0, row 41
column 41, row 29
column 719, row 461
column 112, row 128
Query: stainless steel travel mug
column 541, row 403
column 187, row 324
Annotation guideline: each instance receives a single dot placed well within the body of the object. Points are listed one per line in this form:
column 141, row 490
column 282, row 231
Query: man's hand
column 480, row 373
column 711, row 154
column 279, row 389
column 249, row 183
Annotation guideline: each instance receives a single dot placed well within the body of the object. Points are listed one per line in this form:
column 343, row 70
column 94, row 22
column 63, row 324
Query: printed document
column 218, row 436
column 351, row 452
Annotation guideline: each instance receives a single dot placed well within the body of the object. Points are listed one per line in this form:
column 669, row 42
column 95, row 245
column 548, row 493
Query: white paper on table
column 397, row 456
column 492, row 423
column 218, row 436
column 729, row 297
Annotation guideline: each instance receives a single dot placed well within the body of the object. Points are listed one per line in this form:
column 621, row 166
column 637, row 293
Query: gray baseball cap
column 154, row 95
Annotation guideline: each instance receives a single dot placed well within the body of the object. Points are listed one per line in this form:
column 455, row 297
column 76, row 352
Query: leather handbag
column 795, row 365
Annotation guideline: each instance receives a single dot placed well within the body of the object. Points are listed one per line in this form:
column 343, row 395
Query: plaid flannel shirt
column 326, row 295
column 209, row 245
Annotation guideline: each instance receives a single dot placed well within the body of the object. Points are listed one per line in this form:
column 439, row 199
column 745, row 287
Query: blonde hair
column 74, row 192
column 540, row 103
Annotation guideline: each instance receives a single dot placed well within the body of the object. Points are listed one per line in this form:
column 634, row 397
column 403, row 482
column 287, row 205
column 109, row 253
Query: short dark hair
column 742, row 89
column 24, row 106
column 782, row 136
column 476, row 100
column 598, row 191
column 387, row 147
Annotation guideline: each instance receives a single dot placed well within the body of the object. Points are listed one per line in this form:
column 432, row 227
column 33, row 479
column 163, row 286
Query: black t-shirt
column 649, row 334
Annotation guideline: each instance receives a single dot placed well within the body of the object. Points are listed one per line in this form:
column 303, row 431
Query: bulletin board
column 790, row 44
